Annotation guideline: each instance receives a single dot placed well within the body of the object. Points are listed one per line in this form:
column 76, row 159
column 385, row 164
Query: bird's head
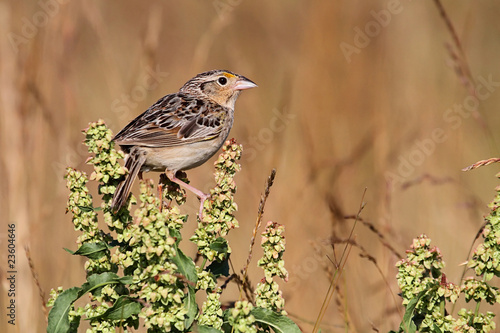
column 221, row 86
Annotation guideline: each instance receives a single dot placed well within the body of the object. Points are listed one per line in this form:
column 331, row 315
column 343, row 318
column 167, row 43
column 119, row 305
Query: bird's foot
column 203, row 198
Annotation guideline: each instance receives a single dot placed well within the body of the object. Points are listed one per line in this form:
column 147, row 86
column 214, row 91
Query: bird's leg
column 202, row 203
column 199, row 194
column 160, row 194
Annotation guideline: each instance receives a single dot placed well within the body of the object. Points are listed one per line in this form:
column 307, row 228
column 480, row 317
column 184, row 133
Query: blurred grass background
column 331, row 125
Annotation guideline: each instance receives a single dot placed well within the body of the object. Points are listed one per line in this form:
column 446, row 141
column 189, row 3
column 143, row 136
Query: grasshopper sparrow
column 180, row 131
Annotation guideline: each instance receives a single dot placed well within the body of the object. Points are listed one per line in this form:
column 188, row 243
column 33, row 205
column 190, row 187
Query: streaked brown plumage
column 180, row 131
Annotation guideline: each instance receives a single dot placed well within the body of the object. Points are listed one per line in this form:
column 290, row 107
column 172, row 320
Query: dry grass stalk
column 43, row 298
column 258, row 222
column 338, row 271
column 481, row 163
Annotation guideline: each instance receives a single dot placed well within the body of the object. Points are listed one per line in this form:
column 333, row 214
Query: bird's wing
column 175, row 119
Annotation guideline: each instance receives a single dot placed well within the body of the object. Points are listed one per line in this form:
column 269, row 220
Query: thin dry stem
column 426, row 177
column 482, row 163
column 454, row 37
column 338, row 272
column 377, row 232
column 366, row 255
column 37, row 282
column 478, row 234
column 462, row 67
column 258, row 222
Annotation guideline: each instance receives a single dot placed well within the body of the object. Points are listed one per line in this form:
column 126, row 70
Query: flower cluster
column 470, row 322
column 54, row 293
column 81, row 207
column 218, row 210
column 486, row 258
column 267, row 294
column 101, row 304
column 147, row 255
column 107, row 170
column 206, row 280
column 241, row 319
column 420, row 276
column 421, row 270
column 146, row 245
column 480, row 291
column 211, row 312
column 85, row 219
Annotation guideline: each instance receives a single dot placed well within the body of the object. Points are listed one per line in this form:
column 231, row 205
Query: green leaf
column 96, row 281
column 86, row 209
column 123, row 308
column 207, row 329
column 176, row 234
column 93, row 251
column 219, row 268
column 278, row 322
column 73, row 325
column 191, row 306
column 58, row 316
column 408, row 325
column 69, row 251
column 185, row 265
column 226, row 328
column 125, row 280
column 437, row 329
column 220, row 245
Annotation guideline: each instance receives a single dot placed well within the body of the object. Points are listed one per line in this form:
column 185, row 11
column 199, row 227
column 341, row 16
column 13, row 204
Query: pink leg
column 160, row 194
column 199, row 194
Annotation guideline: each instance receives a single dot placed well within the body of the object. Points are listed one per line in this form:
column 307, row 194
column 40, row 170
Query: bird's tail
column 133, row 163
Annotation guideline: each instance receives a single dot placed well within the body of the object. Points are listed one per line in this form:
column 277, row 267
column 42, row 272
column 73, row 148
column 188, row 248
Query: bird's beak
column 244, row 83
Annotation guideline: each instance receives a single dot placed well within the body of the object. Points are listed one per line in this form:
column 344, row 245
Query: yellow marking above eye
column 228, row 75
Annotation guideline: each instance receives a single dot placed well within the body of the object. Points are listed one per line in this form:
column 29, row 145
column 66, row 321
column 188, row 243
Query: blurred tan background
column 352, row 94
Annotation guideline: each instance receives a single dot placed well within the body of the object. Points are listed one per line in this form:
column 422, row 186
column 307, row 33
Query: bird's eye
column 222, row 81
